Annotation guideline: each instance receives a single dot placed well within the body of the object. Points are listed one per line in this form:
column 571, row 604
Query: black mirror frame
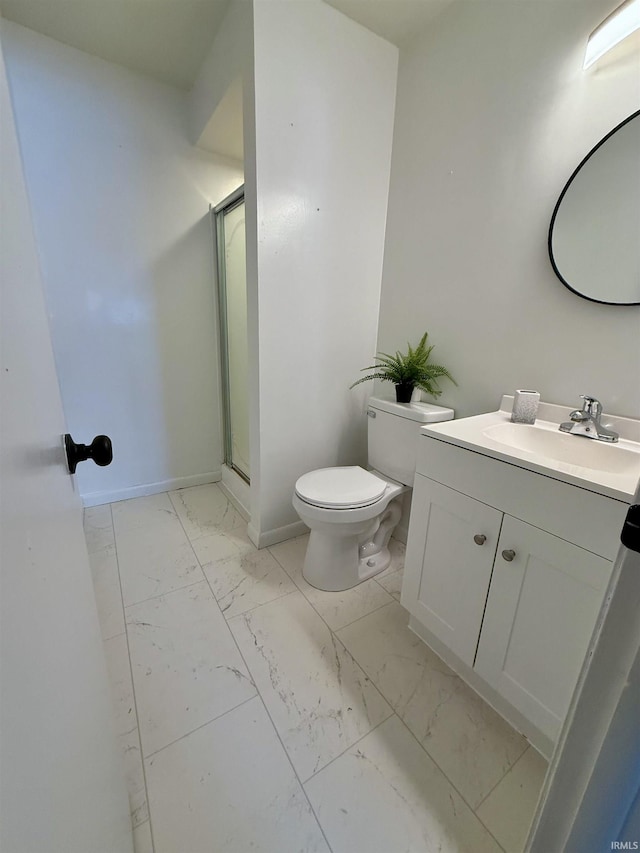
column 559, row 202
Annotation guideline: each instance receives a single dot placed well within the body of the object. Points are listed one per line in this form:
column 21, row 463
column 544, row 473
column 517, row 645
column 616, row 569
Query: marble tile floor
column 256, row 713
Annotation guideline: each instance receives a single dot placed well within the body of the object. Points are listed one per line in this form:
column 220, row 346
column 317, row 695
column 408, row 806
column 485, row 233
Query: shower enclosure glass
column 232, row 300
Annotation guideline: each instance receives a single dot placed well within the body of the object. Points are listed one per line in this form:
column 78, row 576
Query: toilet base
column 340, row 580
column 373, row 564
column 341, row 557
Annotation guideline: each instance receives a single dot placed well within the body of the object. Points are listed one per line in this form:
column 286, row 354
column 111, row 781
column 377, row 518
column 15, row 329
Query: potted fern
column 409, row 371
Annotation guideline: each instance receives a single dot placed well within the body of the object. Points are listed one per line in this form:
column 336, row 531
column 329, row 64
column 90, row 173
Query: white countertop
column 611, row 469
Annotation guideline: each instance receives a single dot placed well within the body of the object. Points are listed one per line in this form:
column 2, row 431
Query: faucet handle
column 591, row 406
column 579, row 415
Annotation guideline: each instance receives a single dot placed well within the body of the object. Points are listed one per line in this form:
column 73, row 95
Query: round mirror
column 594, row 238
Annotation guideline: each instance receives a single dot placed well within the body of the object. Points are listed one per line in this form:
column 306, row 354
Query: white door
column 62, row 785
column 591, row 797
column 543, row 603
column 451, row 545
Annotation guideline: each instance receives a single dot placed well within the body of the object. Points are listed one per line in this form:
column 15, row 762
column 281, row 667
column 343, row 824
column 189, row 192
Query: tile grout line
column 191, row 539
column 277, row 734
column 201, row 726
column 133, row 686
column 463, row 798
column 390, row 575
column 223, row 560
column 358, row 665
column 239, row 556
column 114, row 637
column 375, row 610
column 152, row 522
column 393, row 710
column 335, row 635
column 351, row 746
column 228, row 619
column 506, row 773
column 509, row 769
column 286, row 752
column 295, row 772
column 189, row 542
column 259, row 694
column 333, row 630
column 423, row 748
column 162, row 594
column 205, row 580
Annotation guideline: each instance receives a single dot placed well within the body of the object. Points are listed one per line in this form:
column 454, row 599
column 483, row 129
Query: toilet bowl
column 352, row 512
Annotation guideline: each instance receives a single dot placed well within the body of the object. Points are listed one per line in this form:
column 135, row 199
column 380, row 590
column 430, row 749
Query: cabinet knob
column 479, row 538
column 508, row 555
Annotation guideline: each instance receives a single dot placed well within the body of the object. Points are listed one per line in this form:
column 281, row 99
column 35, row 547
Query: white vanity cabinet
column 448, row 565
column 543, row 601
column 505, row 573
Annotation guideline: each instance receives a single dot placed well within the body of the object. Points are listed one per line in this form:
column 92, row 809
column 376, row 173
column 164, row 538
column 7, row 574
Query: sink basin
column 564, row 448
column 608, row 469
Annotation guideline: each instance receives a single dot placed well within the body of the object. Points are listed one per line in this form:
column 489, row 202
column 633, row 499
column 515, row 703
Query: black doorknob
column 100, row 450
column 630, row 536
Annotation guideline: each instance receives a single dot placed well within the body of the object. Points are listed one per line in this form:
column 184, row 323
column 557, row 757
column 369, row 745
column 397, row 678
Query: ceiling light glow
column 620, row 24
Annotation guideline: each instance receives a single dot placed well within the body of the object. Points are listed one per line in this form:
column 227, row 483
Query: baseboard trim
column 278, row 534
column 237, row 490
column 99, row 498
column 401, row 534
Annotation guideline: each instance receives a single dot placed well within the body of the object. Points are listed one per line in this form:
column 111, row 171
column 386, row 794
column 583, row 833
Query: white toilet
column 352, row 512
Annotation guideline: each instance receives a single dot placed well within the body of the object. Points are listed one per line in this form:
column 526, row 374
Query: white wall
column 229, row 59
column 120, row 200
column 223, row 94
column 493, row 114
column 324, row 102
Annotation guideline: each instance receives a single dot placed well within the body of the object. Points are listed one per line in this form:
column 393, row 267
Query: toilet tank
column 394, row 430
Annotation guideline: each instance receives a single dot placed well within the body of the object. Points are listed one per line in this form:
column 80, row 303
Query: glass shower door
column 232, row 294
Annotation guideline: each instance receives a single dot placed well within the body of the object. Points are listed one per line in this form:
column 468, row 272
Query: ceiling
column 394, row 20
column 169, row 39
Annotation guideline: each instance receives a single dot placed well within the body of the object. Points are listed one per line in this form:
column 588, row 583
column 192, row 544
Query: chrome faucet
column 586, row 421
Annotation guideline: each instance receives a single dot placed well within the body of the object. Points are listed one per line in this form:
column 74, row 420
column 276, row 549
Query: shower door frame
column 235, row 199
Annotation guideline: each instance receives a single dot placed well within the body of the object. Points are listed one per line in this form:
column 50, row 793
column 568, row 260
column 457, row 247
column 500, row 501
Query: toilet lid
column 340, row 488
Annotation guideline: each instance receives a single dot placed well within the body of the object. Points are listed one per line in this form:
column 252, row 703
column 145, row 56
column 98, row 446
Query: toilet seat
column 340, row 488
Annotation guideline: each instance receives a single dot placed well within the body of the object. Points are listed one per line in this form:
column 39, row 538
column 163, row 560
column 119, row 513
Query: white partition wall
column 324, row 108
column 120, row 201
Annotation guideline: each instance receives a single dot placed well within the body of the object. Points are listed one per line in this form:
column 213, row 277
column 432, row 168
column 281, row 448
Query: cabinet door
column 447, row 572
column 540, row 615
